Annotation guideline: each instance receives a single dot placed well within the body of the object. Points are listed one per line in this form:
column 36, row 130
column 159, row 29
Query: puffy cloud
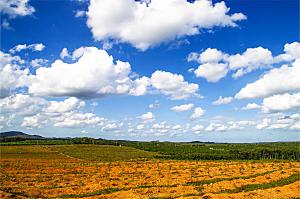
column 251, row 59
column 197, row 128
column 112, row 127
column 146, row 24
column 22, row 104
column 147, row 117
column 214, row 64
column 198, row 112
column 292, row 52
column 177, row 127
column 278, row 103
column 221, row 100
column 140, row 126
column 173, row 85
column 12, row 77
column 67, row 105
column 251, row 106
column 154, row 105
column 212, row 72
column 32, row 122
column 94, row 75
column 15, row 8
column 239, row 125
column 36, row 63
column 287, row 122
column 64, row 53
column 33, row 47
column 71, row 119
column 276, row 81
column 80, row 13
column 216, row 127
column 183, row 107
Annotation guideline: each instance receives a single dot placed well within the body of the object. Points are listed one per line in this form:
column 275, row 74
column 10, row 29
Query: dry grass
column 45, row 172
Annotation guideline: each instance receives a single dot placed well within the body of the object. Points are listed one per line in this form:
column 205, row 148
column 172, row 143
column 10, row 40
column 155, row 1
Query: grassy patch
column 95, row 193
column 103, row 153
column 251, row 187
column 202, row 182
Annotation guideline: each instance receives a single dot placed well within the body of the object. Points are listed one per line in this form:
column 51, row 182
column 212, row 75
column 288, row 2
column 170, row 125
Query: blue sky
column 173, row 69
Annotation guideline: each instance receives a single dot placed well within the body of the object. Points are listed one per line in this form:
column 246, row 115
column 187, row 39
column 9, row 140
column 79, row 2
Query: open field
column 95, row 171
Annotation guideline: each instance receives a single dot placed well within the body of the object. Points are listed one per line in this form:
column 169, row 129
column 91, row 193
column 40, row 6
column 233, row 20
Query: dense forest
column 184, row 150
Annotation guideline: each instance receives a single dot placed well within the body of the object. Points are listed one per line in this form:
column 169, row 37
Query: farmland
column 106, row 171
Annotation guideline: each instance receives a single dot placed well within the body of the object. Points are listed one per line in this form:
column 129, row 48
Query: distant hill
column 14, row 134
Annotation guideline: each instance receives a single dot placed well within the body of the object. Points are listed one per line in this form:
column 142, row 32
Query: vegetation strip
column 197, row 183
column 285, row 181
column 202, row 182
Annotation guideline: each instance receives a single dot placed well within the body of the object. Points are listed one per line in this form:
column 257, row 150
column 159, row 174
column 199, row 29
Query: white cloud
column 36, row 63
column 183, row 107
column 198, row 112
column 12, row 77
column 15, row 8
column 32, row 122
column 95, row 74
column 276, row 81
column 177, row 127
column 22, row 104
column 33, row 47
column 214, row 64
column 140, row 126
column 173, row 85
column 251, row 59
column 221, row 100
column 278, row 103
column 147, row 117
column 67, row 105
column 80, row 13
column 287, row 122
column 212, row 72
column 216, row 127
column 197, row 128
column 154, row 105
column 72, row 119
column 64, row 53
column 144, row 25
column 251, row 106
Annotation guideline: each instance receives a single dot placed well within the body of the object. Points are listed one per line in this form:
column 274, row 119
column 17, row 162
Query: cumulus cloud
column 215, row 64
column 197, row 128
column 71, row 119
column 146, row 24
column 32, row 122
column 22, row 104
column 95, row 74
column 64, row 53
column 80, row 13
column 276, row 81
column 173, row 85
column 216, row 127
column 198, row 112
column 147, row 117
column 154, row 105
column 223, row 100
column 36, row 63
column 183, row 107
column 11, row 74
column 14, row 8
column 287, row 122
column 251, row 106
column 33, row 47
column 278, row 103
column 212, row 72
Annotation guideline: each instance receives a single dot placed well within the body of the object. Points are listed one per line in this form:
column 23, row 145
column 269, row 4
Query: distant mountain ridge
column 12, row 134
